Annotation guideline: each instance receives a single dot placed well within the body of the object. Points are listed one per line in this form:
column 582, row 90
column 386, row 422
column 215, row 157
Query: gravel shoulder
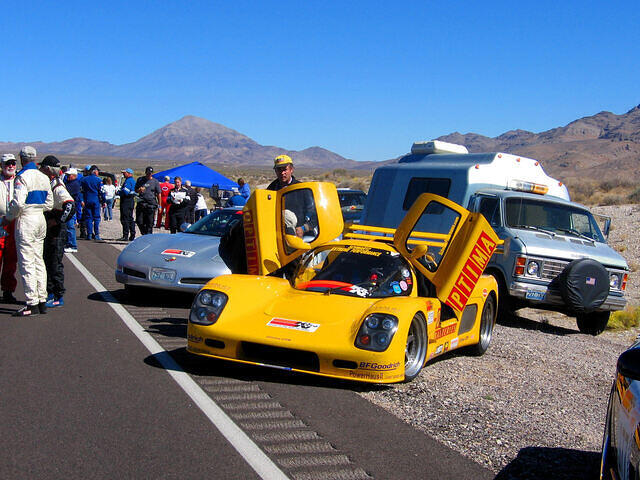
column 534, row 405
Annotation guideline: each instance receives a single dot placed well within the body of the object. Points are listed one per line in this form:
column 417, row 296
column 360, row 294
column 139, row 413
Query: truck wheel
column 416, row 348
column 593, row 323
column 505, row 307
column 487, row 322
column 584, row 285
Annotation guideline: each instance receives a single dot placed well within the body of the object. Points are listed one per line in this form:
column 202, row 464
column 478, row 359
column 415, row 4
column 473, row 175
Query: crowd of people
column 35, row 207
column 43, row 204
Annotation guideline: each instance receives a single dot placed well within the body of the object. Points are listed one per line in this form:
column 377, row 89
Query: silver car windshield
column 216, row 223
column 553, row 218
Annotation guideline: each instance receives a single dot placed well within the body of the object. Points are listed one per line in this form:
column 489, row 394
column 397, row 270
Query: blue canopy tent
column 199, row 174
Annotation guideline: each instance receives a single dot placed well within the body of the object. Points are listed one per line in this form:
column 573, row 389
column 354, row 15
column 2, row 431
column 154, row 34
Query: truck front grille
column 552, row 268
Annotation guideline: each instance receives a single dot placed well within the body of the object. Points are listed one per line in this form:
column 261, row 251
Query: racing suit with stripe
column 31, row 198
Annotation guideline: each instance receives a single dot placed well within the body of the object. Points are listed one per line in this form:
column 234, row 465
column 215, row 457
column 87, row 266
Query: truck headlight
column 207, row 307
column 376, row 332
column 533, row 268
column 614, row 281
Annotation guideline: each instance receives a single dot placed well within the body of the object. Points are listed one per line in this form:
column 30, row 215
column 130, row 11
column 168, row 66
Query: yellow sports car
column 374, row 306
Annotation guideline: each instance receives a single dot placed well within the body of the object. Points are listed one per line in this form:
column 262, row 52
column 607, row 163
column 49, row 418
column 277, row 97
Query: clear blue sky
column 363, row 79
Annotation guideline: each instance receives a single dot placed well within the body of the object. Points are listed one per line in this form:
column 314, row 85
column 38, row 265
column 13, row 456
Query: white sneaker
column 70, row 250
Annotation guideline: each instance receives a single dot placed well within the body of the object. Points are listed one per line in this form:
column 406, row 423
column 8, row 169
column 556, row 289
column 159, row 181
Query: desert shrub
column 635, row 196
column 624, row 319
column 615, row 184
column 612, row 199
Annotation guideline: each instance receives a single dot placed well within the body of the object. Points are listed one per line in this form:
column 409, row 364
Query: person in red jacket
column 8, row 255
column 165, row 190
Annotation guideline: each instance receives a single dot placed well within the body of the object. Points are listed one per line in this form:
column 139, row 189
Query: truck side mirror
column 607, row 227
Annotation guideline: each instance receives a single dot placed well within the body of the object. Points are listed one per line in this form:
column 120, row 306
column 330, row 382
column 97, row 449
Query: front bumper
column 523, row 291
column 339, row 361
column 176, row 285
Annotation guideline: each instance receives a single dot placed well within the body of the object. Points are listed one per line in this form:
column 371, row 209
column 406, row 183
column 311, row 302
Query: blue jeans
column 71, row 233
column 107, row 211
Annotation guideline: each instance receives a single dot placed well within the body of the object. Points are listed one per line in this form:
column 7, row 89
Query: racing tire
column 593, row 323
column 487, row 322
column 416, row 348
column 584, row 285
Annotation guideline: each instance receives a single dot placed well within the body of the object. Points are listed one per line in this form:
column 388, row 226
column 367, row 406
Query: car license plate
column 162, row 275
column 535, row 294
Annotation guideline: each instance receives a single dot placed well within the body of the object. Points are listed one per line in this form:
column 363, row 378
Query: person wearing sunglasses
column 8, row 257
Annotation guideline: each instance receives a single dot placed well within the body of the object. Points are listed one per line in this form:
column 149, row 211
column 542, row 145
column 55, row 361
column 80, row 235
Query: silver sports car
column 621, row 444
column 182, row 261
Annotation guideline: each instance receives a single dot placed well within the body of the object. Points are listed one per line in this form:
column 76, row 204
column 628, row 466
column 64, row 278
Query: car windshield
column 216, row 223
column 354, row 270
column 553, row 218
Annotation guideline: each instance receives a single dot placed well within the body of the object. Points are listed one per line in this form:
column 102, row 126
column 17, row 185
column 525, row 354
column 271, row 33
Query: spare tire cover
column 584, row 285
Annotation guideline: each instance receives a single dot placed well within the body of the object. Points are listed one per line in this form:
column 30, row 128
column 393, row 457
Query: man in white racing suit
column 32, row 197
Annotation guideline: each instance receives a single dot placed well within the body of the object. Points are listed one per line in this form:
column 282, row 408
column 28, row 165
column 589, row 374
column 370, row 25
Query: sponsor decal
column 430, row 317
column 251, row 243
column 384, row 308
column 485, row 293
column 405, row 273
column 454, row 343
column 278, row 338
column 590, row 281
column 403, row 285
column 194, row 338
column 471, row 271
column 366, row 375
column 179, row 253
column 293, row 324
column 361, row 292
column 378, row 366
column 446, row 346
column 439, row 349
column 358, row 249
column 444, row 331
column 197, row 350
column 396, row 287
column 218, row 286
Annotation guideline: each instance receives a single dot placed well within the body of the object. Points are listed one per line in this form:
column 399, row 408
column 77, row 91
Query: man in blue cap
column 127, row 198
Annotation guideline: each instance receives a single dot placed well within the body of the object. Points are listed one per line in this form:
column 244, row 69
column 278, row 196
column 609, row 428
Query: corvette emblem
column 170, row 259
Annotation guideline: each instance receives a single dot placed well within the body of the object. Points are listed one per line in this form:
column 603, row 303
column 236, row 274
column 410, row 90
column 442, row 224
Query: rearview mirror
column 421, row 253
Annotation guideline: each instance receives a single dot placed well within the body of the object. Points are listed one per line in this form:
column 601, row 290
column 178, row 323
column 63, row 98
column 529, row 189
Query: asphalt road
column 80, row 396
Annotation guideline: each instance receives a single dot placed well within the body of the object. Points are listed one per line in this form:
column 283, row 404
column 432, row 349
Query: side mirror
column 422, row 255
column 184, row 226
column 607, row 227
column 296, row 242
column 629, row 364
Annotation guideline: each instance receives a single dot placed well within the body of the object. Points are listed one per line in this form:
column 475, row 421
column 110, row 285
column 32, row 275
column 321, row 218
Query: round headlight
column 373, row 322
column 382, row 339
column 388, row 324
column 614, row 281
column 217, row 300
column 533, row 268
column 205, row 298
column 201, row 313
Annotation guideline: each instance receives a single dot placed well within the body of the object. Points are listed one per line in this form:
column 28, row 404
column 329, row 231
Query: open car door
column 281, row 225
column 448, row 244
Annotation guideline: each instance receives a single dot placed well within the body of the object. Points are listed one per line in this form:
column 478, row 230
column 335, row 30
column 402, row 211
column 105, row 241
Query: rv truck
column 555, row 256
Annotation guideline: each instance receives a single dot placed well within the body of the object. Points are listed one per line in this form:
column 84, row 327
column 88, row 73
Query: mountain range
column 189, row 139
column 601, row 146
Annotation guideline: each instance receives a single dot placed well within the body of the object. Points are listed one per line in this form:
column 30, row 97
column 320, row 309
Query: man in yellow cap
column 283, row 166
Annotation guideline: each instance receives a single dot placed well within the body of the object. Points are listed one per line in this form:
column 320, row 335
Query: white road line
column 253, row 455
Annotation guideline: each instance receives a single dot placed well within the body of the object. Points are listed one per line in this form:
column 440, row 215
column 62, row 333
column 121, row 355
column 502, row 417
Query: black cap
column 50, row 161
column 148, row 170
column 94, row 167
